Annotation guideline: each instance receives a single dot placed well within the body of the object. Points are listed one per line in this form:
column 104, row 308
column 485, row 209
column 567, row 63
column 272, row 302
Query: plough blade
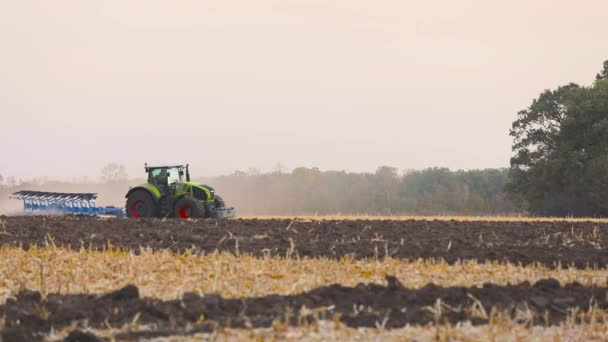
column 63, row 203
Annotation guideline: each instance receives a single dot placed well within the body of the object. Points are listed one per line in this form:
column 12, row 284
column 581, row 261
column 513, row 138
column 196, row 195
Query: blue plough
column 64, row 203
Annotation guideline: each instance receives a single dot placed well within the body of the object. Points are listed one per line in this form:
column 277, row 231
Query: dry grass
column 431, row 218
column 165, row 275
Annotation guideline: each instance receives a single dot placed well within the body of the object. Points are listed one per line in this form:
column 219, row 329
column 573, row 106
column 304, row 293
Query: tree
column 279, row 168
column 387, row 188
column 603, row 75
column 114, row 173
column 560, row 146
column 11, row 182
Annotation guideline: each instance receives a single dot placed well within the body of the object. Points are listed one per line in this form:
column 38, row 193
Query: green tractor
column 166, row 194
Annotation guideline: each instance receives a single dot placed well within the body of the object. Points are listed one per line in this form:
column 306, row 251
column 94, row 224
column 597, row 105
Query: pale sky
column 226, row 85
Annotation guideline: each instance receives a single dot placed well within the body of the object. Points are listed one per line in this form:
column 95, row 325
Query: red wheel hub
column 185, row 211
column 136, row 208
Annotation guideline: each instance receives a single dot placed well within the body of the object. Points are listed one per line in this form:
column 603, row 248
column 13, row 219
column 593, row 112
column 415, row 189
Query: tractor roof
column 165, row 166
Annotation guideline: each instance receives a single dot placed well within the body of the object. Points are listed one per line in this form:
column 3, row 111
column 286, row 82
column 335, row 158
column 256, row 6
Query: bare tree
column 114, row 173
column 11, row 182
column 279, row 168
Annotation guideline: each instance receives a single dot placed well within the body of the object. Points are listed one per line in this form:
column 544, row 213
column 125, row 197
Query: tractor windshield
column 166, row 175
column 174, row 175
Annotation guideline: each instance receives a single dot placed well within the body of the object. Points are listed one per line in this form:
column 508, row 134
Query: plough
column 64, row 203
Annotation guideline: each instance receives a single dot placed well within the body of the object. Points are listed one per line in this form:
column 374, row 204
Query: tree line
column 310, row 191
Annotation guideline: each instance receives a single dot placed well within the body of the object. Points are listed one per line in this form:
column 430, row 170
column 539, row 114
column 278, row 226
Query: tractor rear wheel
column 187, row 208
column 140, row 205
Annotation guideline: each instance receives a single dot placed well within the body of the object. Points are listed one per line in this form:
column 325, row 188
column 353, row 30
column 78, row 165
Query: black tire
column 186, row 208
column 140, row 205
column 219, row 202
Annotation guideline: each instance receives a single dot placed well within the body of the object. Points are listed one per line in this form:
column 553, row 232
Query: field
column 306, row 278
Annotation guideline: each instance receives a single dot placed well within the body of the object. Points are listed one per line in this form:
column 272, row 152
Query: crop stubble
column 580, row 244
column 391, row 303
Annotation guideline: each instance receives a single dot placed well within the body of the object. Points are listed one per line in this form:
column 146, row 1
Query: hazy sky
column 226, row 85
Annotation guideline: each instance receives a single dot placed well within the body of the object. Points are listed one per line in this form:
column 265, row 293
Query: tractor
column 168, row 194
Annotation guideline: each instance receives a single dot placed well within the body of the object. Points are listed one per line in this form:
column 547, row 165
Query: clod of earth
column 546, row 302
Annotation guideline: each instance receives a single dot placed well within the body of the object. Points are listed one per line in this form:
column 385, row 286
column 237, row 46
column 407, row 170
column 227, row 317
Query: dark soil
column 580, row 244
column 391, row 306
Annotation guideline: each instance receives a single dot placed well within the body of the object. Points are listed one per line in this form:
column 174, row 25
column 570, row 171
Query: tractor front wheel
column 219, row 202
column 187, row 208
column 140, row 205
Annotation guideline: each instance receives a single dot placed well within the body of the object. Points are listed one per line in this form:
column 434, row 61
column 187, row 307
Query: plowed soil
column 391, row 306
column 580, row 244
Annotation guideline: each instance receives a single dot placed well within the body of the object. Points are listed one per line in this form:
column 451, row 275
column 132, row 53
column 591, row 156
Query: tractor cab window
column 159, row 177
column 174, row 175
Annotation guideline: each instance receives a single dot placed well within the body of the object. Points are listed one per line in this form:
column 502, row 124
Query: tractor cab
column 165, row 176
